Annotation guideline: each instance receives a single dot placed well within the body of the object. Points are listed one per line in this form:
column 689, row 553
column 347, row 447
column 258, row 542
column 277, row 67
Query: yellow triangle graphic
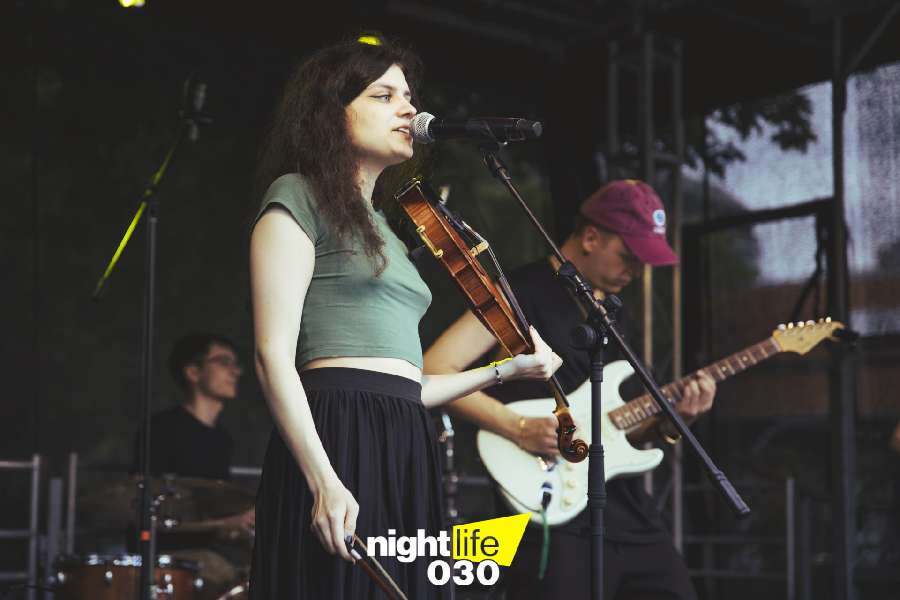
column 494, row 539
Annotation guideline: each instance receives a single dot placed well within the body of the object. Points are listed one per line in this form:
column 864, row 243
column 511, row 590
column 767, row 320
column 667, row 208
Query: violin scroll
column 572, row 449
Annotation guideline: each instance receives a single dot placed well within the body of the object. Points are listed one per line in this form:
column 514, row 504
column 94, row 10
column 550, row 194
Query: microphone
column 427, row 129
column 193, row 99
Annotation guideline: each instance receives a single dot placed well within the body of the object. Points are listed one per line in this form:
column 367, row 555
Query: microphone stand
column 147, row 517
column 593, row 336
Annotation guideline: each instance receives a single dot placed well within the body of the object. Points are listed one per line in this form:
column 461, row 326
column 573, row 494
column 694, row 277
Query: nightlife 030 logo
column 472, row 552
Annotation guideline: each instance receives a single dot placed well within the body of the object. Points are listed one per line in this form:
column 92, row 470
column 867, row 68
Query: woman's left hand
column 540, row 365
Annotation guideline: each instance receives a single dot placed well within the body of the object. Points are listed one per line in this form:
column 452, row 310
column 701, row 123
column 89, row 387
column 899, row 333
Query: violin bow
column 374, row 570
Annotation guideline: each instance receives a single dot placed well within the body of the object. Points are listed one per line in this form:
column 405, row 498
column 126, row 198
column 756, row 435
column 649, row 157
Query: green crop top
column 348, row 311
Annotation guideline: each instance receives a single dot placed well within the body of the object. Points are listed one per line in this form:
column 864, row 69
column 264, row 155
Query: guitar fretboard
column 633, row 412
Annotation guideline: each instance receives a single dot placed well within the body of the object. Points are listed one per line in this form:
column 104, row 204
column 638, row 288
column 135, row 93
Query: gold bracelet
column 666, row 437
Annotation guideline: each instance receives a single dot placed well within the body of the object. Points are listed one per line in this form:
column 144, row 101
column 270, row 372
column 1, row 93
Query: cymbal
column 181, row 500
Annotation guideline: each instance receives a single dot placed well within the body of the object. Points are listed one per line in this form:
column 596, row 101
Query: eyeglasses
column 225, row 361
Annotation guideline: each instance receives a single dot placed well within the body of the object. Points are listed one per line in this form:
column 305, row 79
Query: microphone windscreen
column 199, row 96
column 419, row 128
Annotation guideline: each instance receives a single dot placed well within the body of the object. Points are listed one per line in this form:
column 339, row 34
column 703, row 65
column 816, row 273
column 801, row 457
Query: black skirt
column 381, row 443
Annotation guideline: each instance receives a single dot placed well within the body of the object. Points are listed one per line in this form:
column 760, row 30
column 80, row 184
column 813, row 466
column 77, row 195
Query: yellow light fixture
column 372, row 40
column 131, row 3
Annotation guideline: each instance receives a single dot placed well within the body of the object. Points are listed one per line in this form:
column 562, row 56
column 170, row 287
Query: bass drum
column 101, row 577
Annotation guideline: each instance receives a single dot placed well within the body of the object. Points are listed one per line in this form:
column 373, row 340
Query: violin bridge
column 476, row 250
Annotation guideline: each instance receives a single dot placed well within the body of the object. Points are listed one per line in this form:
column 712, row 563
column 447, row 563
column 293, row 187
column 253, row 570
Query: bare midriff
column 391, row 366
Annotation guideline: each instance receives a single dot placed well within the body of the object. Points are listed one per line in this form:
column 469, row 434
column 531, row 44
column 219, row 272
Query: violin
column 494, row 304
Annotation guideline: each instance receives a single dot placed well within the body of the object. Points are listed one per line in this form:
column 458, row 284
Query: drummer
column 187, row 441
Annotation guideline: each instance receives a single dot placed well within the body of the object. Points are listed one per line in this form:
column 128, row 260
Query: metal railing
column 29, row 577
column 788, row 541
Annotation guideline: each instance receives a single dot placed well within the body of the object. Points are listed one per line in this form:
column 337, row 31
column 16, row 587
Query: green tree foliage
column 788, row 116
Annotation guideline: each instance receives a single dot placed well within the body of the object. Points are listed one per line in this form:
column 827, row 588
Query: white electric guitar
column 523, row 478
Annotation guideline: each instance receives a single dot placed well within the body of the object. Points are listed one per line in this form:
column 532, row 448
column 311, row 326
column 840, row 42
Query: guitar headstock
column 804, row 336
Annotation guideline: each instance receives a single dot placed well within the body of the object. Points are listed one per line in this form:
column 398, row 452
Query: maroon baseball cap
column 632, row 209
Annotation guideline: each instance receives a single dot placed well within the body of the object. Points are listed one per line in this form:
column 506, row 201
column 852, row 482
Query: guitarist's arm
column 696, row 400
column 457, row 348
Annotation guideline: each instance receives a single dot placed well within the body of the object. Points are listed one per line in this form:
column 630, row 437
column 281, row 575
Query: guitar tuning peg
column 810, row 322
column 790, row 325
column 782, row 327
column 828, row 319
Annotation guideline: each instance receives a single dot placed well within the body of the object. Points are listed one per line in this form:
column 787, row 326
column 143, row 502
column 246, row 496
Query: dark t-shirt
column 182, row 445
column 630, row 515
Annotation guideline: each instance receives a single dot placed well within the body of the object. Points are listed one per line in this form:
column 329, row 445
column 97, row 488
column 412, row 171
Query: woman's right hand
column 540, row 364
column 334, row 516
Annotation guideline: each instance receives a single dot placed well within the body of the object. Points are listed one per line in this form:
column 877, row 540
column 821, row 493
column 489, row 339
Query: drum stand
column 148, row 557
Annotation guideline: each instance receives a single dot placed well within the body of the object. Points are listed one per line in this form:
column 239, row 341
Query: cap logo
column 659, row 221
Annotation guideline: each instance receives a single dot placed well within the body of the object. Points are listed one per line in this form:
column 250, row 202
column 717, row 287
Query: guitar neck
column 634, row 412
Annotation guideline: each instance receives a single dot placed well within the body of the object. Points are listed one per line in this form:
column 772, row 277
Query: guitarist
column 619, row 229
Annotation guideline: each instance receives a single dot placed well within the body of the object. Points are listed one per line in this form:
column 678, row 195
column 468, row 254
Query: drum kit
column 183, row 506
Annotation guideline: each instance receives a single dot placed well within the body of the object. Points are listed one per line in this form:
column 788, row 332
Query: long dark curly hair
column 303, row 136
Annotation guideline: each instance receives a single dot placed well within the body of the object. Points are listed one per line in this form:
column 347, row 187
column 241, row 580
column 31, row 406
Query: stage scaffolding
column 654, row 62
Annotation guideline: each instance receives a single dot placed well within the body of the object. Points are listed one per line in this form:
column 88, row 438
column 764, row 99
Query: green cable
column 545, row 546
